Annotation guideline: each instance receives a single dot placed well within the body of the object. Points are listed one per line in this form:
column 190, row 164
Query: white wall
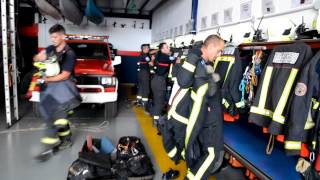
column 128, row 38
column 171, row 15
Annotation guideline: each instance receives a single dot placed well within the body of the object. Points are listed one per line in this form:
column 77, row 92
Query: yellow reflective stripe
column 61, row 122
column 190, row 176
column 66, row 133
column 284, row 97
column 170, row 71
column 193, row 95
column 206, row 164
column 195, row 111
column 173, row 152
column 183, row 154
column 231, row 60
column 49, row 140
column 314, row 143
column 179, row 118
column 144, row 99
column 188, row 66
column 240, row 104
column 263, row 112
column 172, row 111
column 156, row 117
column 309, row 123
column 265, row 87
column 315, row 104
column 139, row 97
column 225, row 103
column 292, row 145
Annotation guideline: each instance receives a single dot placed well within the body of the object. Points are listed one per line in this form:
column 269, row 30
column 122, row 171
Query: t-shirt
column 66, row 58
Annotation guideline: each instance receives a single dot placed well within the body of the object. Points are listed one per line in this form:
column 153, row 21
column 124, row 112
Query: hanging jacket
column 229, row 67
column 304, row 108
column 270, row 107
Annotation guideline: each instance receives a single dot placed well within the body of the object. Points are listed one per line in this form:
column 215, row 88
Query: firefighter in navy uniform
column 198, row 138
column 144, row 76
column 58, row 94
column 163, row 60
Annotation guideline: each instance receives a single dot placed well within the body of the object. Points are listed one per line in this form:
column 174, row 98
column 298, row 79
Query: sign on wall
column 246, row 10
column 268, row 7
column 228, row 15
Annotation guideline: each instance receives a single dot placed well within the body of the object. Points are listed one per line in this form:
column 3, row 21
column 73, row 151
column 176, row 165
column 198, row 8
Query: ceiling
column 141, row 9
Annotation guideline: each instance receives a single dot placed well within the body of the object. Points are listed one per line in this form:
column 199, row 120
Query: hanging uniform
column 143, row 78
column 271, row 104
column 229, row 67
column 159, row 83
column 304, row 108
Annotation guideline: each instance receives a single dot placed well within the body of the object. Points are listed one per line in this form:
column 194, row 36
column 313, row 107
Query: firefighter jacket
column 229, row 67
column 271, row 105
column 162, row 64
column 143, row 63
column 303, row 112
column 200, row 101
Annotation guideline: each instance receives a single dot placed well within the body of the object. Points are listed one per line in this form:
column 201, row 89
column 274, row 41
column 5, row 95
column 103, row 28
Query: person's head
column 57, row 34
column 212, row 47
column 145, row 48
column 164, row 48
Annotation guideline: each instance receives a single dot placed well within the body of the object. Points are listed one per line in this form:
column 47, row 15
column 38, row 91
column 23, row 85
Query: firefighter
column 203, row 141
column 144, row 76
column 163, row 60
column 58, row 94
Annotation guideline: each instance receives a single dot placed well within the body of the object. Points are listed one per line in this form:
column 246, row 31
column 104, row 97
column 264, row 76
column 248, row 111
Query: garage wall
column 273, row 23
column 167, row 20
column 125, row 39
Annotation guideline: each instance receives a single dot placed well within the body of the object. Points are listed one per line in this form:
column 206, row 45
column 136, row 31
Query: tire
column 110, row 110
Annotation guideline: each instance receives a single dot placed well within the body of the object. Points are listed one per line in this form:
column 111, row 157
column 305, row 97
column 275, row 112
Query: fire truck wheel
column 110, row 110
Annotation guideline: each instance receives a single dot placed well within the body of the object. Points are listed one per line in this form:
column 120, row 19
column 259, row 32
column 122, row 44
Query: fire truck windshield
column 90, row 50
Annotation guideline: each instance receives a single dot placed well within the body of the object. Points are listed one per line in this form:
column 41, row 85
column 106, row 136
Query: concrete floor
column 20, row 143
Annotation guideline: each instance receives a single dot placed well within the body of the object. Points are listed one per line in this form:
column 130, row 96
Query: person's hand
column 178, row 60
column 42, row 56
column 151, row 63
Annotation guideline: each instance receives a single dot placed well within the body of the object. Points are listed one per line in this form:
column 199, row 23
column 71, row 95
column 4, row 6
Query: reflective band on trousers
column 277, row 116
column 188, row 66
column 309, row 123
column 204, row 167
column 173, row 152
column 156, row 117
column 49, row 140
column 61, row 122
column 65, row 133
column 292, row 145
column 139, row 97
column 144, row 99
column 198, row 98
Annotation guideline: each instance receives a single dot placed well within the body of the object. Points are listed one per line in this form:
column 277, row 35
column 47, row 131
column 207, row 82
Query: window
column 214, row 19
column 228, row 15
column 90, row 50
column 175, row 31
column 187, row 29
column 297, row 3
column 204, row 22
column 171, row 33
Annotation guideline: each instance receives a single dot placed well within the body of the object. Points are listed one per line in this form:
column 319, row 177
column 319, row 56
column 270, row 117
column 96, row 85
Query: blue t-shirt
column 66, row 58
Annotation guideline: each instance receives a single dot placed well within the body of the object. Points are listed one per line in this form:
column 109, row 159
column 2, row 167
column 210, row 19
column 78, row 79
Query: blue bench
column 247, row 144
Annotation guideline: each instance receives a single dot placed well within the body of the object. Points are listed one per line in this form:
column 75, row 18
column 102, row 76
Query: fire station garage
column 160, row 89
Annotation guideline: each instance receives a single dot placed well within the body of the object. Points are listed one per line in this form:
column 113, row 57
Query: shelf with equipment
column 247, row 143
